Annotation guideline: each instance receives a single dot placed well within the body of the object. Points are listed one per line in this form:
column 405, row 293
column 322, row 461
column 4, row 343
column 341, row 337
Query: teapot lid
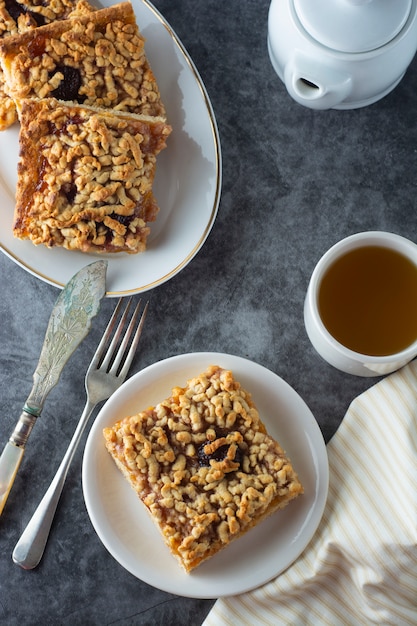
column 353, row 25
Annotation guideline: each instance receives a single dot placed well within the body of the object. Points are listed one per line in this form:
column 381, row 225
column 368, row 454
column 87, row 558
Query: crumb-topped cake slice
column 85, row 176
column 203, row 464
column 19, row 16
column 96, row 59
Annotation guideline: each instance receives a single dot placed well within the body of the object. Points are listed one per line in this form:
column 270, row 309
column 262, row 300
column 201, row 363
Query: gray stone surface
column 295, row 181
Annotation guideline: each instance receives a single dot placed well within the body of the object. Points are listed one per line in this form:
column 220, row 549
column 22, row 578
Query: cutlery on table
column 107, row 371
column 68, row 325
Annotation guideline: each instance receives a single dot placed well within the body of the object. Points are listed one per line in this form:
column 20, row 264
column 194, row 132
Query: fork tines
column 120, row 351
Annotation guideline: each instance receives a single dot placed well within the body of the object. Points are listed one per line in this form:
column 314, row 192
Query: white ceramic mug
column 325, row 344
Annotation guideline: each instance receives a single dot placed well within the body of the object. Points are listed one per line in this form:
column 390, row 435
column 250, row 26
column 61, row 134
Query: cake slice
column 96, row 59
column 19, row 16
column 85, row 176
column 203, row 465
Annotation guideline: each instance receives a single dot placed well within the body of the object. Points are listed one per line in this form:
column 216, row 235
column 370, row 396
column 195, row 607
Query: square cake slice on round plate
column 203, row 465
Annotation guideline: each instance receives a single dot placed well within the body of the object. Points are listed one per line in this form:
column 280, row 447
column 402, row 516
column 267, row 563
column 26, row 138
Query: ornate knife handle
column 69, row 323
column 13, row 452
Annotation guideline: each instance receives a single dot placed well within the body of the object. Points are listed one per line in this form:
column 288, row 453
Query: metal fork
column 107, row 371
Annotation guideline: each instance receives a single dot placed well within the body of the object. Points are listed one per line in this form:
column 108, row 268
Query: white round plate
column 187, row 183
column 125, row 527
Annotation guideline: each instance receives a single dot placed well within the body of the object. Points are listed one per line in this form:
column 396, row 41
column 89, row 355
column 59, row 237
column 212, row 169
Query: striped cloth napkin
column 361, row 565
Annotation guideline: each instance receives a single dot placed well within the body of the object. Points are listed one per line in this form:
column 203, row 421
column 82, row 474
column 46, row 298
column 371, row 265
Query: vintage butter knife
column 69, row 323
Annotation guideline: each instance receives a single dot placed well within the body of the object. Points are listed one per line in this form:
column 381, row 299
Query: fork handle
column 31, row 545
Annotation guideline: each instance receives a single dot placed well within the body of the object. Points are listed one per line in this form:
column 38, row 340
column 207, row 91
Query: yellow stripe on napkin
column 361, row 565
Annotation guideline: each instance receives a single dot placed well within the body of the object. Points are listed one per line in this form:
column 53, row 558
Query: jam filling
column 36, row 46
column 218, row 455
column 70, row 191
column 15, row 10
column 62, row 128
column 125, row 220
column 69, row 86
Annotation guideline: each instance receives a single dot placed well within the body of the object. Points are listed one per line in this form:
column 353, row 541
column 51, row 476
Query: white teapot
column 341, row 54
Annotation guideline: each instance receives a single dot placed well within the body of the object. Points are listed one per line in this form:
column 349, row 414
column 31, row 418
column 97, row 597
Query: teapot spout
column 306, row 88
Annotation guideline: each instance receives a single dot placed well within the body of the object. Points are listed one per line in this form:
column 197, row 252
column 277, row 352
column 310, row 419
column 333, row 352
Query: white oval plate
column 187, row 183
column 125, row 527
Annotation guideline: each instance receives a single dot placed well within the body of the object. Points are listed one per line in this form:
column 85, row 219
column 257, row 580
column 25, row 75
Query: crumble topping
column 203, row 464
column 19, row 16
column 85, row 176
column 95, row 59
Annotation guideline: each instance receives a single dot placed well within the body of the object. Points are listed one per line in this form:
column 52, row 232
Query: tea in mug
column 368, row 300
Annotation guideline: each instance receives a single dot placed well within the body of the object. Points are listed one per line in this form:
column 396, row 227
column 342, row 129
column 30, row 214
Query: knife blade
column 68, row 325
